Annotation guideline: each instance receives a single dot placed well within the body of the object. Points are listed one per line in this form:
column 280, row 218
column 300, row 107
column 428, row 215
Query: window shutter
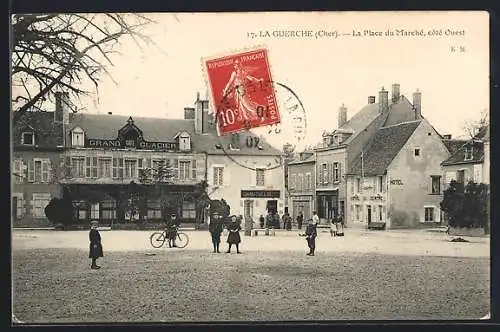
column 340, row 171
column 320, row 174
column 88, row 161
column 31, row 171
column 193, row 169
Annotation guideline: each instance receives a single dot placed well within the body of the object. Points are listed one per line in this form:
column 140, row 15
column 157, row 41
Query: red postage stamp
column 242, row 92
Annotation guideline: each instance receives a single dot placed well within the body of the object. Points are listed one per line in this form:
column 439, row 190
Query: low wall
column 462, row 231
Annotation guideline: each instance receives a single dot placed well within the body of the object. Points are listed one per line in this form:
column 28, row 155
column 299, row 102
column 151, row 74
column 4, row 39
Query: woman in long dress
column 234, row 235
column 95, row 248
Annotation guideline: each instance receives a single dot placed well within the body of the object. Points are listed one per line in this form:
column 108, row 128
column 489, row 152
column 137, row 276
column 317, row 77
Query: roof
column 383, row 148
column 105, row 126
column 361, row 120
column 453, row 145
column 477, row 145
column 400, row 112
column 297, row 160
column 48, row 134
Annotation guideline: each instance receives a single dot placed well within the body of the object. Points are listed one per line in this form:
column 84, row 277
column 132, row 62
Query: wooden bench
column 270, row 231
column 376, row 225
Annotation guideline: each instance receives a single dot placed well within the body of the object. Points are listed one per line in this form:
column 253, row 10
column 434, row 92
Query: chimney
column 447, row 136
column 198, row 115
column 205, row 122
column 383, row 100
column 395, row 92
column 61, row 113
column 342, row 115
column 371, row 99
column 110, row 113
column 189, row 113
column 417, row 104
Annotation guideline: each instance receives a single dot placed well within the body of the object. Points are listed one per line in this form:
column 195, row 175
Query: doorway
column 369, row 213
column 272, row 206
column 248, row 209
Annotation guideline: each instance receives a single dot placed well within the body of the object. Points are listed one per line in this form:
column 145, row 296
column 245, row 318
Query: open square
column 357, row 277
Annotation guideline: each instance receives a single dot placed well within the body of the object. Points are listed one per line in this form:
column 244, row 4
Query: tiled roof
column 399, row 112
column 477, row 144
column 47, row 133
column 297, row 160
column 104, row 126
column 453, row 145
column 361, row 120
column 383, row 147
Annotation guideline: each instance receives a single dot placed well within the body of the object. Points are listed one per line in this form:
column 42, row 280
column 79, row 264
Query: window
column 117, row 168
column 358, row 185
column 294, row 181
column 130, row 171
column 94, row 211
column 184, row 142
column 108, row 209
column 77, row 137
column 175, row 168
column 18, row 204
column 77, row 167
column 28, row 138
column 188, row 210
column 468, row 155
column 39, row 202
column 336, row 172
column 260, row 177
column 39, row 170
column 184, row 170
column 461, row 176
column 154, row 209
column 381, row 213
column 324, row 173
column 429, row 214
column 91, row 167
column 18, row 171
column 105, row 167
column 308, row 185
column 194, row 175
column 380, row 184
column 300, row 183
column 218, row 176
column 436, row 184
column 358, row 211
column 416, row 152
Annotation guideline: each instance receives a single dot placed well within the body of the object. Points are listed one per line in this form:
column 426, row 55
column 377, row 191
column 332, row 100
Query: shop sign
column 260, row 194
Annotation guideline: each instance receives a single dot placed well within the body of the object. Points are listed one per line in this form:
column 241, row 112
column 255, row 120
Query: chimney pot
column 395, row 92
column 371, row 99
column 61, row 113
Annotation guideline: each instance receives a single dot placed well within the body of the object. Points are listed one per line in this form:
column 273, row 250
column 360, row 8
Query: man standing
column 311, row 234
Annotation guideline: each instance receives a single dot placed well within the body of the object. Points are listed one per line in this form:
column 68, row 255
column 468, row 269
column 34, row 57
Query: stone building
column 301, row 184
column 37, row 143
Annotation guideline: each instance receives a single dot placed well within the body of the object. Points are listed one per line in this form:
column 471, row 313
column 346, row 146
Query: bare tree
column 472, row 127
column 60, row 52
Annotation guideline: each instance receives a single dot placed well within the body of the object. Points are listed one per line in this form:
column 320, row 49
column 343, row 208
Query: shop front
column 260, row 202
column 129, row 203
column 327, row 204
column 304, row 204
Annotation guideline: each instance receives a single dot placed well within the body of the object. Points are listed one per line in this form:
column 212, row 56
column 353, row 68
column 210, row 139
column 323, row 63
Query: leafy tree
column 61, row 52
column 466, row 206
column 157, row 179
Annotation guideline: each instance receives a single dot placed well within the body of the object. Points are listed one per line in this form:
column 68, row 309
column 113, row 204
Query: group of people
column 234, row 227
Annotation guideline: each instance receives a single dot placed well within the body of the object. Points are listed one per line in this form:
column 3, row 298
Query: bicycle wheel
column 157, row 239
column 182, row 240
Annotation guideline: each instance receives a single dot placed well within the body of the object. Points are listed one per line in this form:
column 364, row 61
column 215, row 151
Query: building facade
column 470, row 161
column 37, row 142
column 248, row 175
column 397, row 179
column 301, row 185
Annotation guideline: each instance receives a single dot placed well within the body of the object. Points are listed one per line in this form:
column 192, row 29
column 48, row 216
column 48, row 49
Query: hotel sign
column 139, row 144
column 260, row 194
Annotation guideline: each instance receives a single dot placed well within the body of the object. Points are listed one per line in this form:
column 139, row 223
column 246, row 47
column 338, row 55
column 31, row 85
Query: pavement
column 359, row 241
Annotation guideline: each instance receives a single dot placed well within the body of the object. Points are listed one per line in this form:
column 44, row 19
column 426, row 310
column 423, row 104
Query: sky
column 325, row 72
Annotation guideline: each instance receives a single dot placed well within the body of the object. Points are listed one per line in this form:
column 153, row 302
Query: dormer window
column 184, row 142
column 468, row 153
column 28, row 138
column 77, row 137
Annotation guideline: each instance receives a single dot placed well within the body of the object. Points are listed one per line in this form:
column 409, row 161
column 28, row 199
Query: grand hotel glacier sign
column 133, row 144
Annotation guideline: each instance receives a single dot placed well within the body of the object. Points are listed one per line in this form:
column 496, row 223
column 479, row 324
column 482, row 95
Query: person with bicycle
column 171, row 230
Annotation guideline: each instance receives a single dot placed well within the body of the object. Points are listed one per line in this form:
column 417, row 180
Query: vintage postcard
column 223, row 167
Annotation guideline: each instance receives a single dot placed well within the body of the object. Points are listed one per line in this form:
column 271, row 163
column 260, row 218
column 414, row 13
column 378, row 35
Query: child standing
column 215, row 229
column 95, row 249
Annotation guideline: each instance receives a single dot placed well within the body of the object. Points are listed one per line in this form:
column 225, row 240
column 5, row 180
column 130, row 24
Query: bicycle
column 158, row 238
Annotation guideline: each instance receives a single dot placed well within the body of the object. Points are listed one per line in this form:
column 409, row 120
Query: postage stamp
column 241, row 90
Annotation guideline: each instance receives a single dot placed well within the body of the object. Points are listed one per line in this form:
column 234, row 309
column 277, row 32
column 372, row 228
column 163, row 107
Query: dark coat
column 311, row 231
column 234, row 235
column 95, row 248
column 215, row 228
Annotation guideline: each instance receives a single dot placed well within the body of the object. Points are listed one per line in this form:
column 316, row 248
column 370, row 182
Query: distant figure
column 340, row 225
column 234, row 236
column 261, row 221
column 171, row 224
column 311, row 234
column 95, row 248
column 215, row 229
column 333, row 226
column 287, row 221
column 300, row 220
